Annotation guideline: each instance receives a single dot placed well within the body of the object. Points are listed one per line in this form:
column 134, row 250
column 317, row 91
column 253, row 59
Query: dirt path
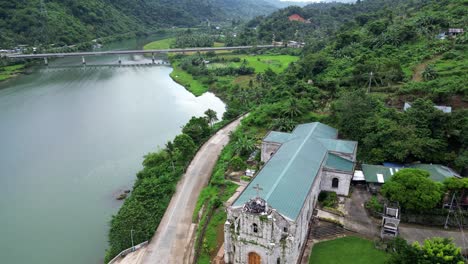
column 169, row 243
column 418, row 71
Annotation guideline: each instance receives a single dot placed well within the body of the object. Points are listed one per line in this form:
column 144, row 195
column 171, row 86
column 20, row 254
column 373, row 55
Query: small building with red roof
column 296, row 17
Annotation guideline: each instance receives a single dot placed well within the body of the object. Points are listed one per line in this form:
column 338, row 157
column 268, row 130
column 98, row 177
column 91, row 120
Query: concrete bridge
column 45, row 56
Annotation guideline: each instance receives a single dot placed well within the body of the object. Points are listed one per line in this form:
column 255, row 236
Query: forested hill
column 363, row 61
column 70, row 21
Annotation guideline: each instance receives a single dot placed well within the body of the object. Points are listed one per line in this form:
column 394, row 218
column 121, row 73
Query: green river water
column 71, row 140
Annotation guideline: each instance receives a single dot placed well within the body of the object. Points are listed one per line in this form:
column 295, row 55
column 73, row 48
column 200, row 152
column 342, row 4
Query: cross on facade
column 258, row 189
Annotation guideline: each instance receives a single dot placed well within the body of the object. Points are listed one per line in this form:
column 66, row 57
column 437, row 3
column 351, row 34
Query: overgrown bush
column 328, row 199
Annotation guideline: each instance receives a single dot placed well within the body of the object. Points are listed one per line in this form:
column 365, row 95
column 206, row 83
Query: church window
column 255, row 228
column 335, row 183
column 285, row 229
column 278, row 261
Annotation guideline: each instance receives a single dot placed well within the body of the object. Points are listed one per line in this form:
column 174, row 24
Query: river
column 71, row 140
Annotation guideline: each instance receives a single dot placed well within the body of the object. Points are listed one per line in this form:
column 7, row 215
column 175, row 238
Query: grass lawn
column 278, row 63
column 347, row 250
column 185, row 79
column 10, row 71
column 160, row 44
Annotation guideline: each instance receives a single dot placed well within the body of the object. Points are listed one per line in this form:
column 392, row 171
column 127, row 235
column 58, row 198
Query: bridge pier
column 120, row 61
column 83, row 60
column 152, row 55
column 46, row 61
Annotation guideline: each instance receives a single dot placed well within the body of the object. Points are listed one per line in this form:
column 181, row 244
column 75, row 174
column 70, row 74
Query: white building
column 269, row 222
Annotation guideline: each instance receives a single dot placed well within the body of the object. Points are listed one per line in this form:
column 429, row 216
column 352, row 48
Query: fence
column 129, row 250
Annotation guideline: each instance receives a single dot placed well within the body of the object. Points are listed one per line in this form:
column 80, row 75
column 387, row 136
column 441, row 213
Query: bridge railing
column 127, row 251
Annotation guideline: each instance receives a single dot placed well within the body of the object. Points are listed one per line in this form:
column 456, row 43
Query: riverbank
column 8, row 72
column 155, row 185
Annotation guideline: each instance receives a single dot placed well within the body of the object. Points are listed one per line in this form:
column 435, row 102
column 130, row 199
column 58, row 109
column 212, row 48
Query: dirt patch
column 418, row 70
column 457, row 102
column 243, row 79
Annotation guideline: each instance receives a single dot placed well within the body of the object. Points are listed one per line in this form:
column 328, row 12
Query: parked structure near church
column 269, row 222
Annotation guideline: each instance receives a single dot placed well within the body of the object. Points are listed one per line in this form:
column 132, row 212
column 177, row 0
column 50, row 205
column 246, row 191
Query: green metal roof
column 339, row 145
column 338, row 163
column 371, row 173
column 279, row 137
column 287, row 177
column 437, row 173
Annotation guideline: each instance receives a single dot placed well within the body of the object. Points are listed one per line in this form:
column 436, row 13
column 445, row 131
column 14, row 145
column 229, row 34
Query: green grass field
column 347, row 250
column 160, row 44
column 10, row 71
column 185, row 79
column 278, row 63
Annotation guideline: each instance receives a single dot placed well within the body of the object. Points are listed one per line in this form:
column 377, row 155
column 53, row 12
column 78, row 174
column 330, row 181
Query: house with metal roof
column 270, row 218
column 443, row 108
column 376, row 175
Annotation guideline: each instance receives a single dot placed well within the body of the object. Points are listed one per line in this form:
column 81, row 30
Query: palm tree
column 211, row 116
column 293, row 108
column 244, row 145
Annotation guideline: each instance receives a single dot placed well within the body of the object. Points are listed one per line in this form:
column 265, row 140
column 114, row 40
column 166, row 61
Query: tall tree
column 211, row 116
column 413, row 190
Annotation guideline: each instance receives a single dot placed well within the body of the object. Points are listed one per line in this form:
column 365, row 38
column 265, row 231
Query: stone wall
column 344, row 181
column 271, row 241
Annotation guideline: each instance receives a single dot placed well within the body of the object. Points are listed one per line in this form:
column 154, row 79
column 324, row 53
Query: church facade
column 269, row 222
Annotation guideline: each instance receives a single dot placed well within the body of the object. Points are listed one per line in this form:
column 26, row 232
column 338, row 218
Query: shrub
column 237, row 164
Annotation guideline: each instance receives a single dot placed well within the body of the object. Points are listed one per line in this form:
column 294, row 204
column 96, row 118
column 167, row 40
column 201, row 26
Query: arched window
column 255, row 228
column 278, row 261
column 335, row 182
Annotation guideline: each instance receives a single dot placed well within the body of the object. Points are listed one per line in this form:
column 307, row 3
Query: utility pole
column 371, row 76
column 450, row 210
column 44, row 29
column 131, row 234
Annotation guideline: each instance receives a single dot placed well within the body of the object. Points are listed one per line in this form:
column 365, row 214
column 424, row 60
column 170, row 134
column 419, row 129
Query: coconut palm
column 211, row 116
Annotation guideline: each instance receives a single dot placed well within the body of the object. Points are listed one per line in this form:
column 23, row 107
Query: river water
column 71, row 139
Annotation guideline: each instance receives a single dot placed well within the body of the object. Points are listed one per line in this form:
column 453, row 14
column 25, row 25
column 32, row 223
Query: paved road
column 169, row 243
column 357, row 218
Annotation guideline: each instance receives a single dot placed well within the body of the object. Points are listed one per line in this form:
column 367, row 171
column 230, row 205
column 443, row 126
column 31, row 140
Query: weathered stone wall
column 271, row 242
column 343, row 184
column 269, row 148
column 302, row 222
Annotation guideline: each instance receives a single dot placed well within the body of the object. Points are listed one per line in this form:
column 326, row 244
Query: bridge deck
column 127, row 52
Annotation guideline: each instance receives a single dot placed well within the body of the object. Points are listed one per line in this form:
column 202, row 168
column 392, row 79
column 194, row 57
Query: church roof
column 338, row 163
column 278, row 137
column 286, row 179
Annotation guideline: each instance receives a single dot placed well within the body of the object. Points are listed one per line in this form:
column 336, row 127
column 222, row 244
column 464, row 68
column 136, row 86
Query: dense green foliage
column 144, row 208
column 359, row 67
column 70, row 22
column 347, row 250
column 413, row 190
column 361, row 63
column 435, row 250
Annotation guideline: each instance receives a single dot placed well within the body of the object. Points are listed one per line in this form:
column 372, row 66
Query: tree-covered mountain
column 70, row 21
column 362, row 62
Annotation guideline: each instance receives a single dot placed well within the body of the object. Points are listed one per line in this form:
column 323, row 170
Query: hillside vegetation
column 69, row 22
column 367, row 62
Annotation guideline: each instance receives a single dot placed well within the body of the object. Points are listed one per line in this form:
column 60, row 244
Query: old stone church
column 269, row 221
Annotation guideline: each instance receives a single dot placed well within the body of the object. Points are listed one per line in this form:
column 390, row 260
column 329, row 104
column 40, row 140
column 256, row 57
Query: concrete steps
column 326, row 230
